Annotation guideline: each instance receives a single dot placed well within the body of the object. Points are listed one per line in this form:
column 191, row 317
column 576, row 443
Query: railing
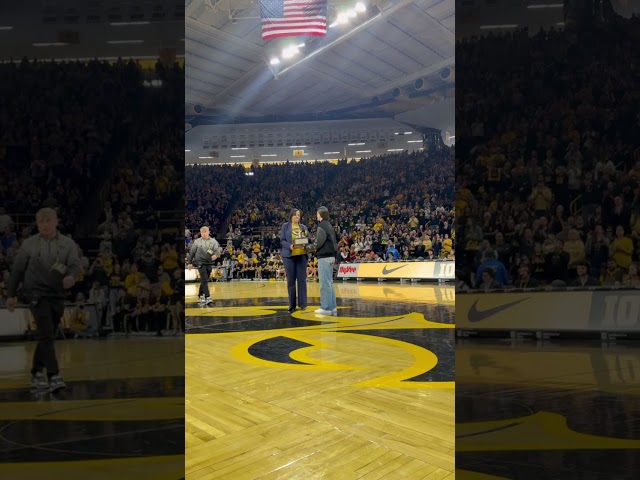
column 573, row 206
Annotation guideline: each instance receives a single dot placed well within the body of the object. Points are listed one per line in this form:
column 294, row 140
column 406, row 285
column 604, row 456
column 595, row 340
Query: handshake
column 311, row 247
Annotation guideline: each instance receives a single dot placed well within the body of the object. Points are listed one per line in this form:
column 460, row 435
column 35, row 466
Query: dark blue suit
column 295, row 266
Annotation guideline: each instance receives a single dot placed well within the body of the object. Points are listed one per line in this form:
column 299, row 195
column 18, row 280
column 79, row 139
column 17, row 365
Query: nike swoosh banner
column 595, row 311
column 435, row 270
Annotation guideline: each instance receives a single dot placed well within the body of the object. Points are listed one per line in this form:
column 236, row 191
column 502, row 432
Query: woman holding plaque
column 294, row 238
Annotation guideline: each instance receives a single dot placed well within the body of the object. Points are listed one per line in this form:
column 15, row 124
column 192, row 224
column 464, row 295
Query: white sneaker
column 56, row 383
column 334, row 312
column 39, row 381
column 321, row 311
column 208, row 300
column 201, row 299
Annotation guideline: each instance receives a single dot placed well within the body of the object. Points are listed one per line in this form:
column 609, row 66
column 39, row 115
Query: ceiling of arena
column 72, row 29
column 227, row 70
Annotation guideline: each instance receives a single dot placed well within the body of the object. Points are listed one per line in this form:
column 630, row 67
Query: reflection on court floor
column 565, row 410
column 121, row 416
column 278, row 395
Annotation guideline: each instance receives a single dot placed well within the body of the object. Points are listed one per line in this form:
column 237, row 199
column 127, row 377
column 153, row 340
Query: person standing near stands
column 326, row 249
column 203, row 253
column 47, row 265
column 293, row 235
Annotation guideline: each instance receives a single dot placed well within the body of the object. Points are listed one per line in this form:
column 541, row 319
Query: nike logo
column 476, row 315
column 387, row 272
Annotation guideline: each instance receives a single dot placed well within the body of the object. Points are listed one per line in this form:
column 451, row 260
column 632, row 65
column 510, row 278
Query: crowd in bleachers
column 548, row 158
column 393, row 207
column 209, row 193
column 114, row 144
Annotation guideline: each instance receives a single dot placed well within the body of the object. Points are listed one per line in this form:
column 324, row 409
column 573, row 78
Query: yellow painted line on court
column 414, row 319
column 115, row 410
column 541, row 432
column 166, row 467
column 241, row 352
column 425, row 360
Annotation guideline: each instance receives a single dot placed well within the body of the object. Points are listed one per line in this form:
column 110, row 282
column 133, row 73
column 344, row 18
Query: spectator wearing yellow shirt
column 574, row 246
column 428, row 244
column 133, row 280
column 612, row 275
column 541, row 198
column 622, row 248
column 169, row 258
column 447, row 244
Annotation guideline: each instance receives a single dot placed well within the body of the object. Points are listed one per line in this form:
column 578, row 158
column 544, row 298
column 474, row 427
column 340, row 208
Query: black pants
column 47, row 314
column 205, row 274
column 296, row 268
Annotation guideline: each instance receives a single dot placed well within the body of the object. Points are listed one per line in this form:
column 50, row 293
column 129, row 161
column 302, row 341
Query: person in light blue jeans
column 326, row 249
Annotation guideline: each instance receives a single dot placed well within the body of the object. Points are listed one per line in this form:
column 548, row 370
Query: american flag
column 293, row 18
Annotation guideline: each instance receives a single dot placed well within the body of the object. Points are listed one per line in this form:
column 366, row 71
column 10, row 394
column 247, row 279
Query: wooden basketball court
column 368, row 394
column 121, row 416
column 555, row 410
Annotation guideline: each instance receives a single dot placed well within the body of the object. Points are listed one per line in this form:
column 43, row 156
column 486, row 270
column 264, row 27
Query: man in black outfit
column 47, row 265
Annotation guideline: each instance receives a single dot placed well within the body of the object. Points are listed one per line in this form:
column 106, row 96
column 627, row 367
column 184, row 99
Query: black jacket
column 326, row 242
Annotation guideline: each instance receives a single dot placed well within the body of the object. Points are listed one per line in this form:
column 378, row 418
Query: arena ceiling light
column 547, row 5
column 50, row 44
column 331, row 153
column 354, row 144
column 123, row 42
column 408, row 133
column 414, row 141
column 204, row 157
column 6, row 27
column 237, row 156
column 290, row 52
column 240, row 148
column 492, row 27
column 187, row 150
column 396, row 150
column 274, row 61
column 127, row 24
column 298, row 146
column 358, row 17
column 363, row 151
column 270, row 155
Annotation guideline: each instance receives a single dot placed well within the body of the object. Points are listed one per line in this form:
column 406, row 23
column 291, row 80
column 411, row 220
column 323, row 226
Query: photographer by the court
column 47, row 264
column 205, row 251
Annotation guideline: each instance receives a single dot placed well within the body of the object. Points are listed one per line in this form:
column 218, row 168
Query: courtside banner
column 437, row 294
column 444, row 270
column 598, row 311
column 20, row 321
column 190, row 275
